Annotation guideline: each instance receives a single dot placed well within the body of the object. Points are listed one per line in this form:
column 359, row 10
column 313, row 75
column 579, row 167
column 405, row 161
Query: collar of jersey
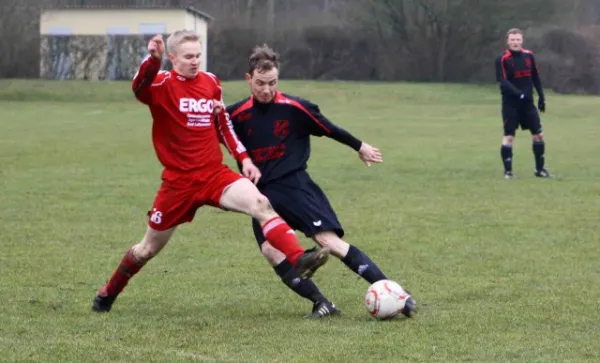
column 278, row 97
column 181, row 78
column 515, row 52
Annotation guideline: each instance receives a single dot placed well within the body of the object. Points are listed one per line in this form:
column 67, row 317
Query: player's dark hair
column 263, row 59
column 513, row 31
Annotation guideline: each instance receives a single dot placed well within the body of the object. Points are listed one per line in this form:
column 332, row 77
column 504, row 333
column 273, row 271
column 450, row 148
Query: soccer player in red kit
column 188, row 123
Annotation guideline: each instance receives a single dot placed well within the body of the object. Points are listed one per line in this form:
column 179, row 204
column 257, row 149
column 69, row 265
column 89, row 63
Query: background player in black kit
column 276, row 130
column 517, row 73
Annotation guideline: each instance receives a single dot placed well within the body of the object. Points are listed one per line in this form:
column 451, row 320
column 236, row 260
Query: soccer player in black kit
column 517, row 73
column 276, row 129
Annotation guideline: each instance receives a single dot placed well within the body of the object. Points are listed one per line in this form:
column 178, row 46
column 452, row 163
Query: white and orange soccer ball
column 385, row 299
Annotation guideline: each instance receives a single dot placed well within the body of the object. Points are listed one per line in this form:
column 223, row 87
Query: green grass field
column 504, row 271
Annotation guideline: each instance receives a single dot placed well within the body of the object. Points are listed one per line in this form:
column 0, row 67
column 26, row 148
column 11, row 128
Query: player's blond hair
column 513, row 31
column 179, row 37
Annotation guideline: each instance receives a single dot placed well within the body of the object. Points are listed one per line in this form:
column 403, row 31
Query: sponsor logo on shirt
column 198, row 111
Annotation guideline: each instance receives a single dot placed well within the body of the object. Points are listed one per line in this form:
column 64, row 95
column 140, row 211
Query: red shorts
column 182, row 194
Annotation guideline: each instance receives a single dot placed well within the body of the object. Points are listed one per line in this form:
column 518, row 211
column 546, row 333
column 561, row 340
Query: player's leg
column 539, row 150
column 357, row 261
column 511, row 122
column 290, row 277
column 329, row 232
column 506, row 152
column 243, row 196
column 171, row 207
column 135, row 258
column 307, row 208
column 538, row 144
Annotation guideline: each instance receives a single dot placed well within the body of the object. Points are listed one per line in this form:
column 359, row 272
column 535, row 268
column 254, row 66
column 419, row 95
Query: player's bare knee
column 538, row 137
column 273, row 255
column 261, row 208
column 150, row 246
column 325, row 239
column 330, row 240
column 508, row 140
column 144, row 251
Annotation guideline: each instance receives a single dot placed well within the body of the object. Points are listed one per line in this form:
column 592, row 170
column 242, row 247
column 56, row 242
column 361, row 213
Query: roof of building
column 190, row 9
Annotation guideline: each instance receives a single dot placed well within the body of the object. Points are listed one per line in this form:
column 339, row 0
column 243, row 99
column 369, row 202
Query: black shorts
column 302, row 204
column 525, row 115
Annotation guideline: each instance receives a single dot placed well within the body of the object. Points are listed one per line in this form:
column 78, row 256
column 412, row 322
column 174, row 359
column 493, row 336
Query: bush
column 569, row 61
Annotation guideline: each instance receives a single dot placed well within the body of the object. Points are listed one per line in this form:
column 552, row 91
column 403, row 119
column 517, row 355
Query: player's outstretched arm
column 319, row 125
column 145, row 76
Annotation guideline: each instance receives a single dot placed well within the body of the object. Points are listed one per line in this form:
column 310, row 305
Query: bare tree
column 431, row 35
column 419, row 40
column 19, row 44
column 249, row 10
column 270, row 18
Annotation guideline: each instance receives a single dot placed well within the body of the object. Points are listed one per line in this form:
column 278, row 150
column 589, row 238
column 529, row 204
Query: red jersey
column 185, row 133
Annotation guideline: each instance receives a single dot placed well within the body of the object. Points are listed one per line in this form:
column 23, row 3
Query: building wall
column 104, row 21
column 92, row 57
column 98, row 44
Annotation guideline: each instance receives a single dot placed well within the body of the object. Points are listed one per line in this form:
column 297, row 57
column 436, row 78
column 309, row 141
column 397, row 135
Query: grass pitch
column 503, row 271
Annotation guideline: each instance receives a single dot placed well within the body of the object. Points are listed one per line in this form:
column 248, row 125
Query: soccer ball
column 385, row 299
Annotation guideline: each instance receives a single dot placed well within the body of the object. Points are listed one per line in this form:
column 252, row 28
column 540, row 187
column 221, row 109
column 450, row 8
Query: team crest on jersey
column 528, row 63
column 244, row 116
column 282, row 128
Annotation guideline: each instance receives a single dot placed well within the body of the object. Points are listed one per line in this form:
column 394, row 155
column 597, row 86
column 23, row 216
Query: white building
column 108, row 42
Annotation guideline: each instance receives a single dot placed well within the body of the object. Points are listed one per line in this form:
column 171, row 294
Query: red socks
column 282, row 237
column 128, row 267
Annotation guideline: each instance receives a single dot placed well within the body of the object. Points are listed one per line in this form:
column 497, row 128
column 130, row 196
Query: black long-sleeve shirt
column 277, row 134
column 517, row 73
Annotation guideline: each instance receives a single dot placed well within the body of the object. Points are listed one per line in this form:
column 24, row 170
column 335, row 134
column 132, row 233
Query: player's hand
column 218, row 107
column 250, row 171
column 156, row 46
column 542, row 104
column 369, row 154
